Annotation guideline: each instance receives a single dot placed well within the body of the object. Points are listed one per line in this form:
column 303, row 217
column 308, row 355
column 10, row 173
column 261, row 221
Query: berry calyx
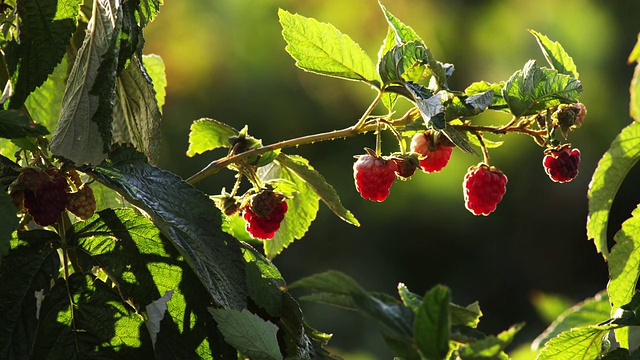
column 406, row 165
column 265, row 227
column 561, row 164
column 374, row 176
column 435, row 152
column 82, row 203
column 46, row 202
column 483, row 188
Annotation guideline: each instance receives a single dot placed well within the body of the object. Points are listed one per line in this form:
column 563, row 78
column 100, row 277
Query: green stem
column 368, row 112
column 397, row 135
column 485, row 151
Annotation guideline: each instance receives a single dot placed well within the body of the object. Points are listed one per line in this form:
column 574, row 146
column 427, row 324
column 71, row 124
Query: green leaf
column 406, row 62
column 208, row 134
column 490, row 347
column 465, row 315
column 577, row 343
column 136, row 118
column 155, row 69
column 433, row 324
column 247, row 332
column 473, row 139
column 187, row 217
column 634, row 89
column 395, row 319
column 83, row 134
column 556, row 56
column 44, row 103
column 403, row 33
column 265, row 283
column 156, row 311
column 624, row 262
column 317, row 182
column 38, row 263
column 15, row 124
column 534, row 89
column 8, row 222
column 330, row 281
column 635, row 52
column 302, row 208
column 592, row 311
column 409, row 299
column 612, row 168
column 45, row 30
column 550, row 306
column 482, row 87
column 322, row 49
column 401, row 348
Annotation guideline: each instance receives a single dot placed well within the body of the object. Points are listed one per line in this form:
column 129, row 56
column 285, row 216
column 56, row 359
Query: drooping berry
column 374, row 176
column 47, row 202
column 561, row 164
column 406, row 165
column 82, row 203
column 483, row 188
column 435, row 154
column 569, row 117
column 265, row 227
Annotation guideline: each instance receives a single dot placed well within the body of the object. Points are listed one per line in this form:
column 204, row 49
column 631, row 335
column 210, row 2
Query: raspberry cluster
column 561, row 164
column 374, row 176
column 435, row 153
column 45, row 194
column 264, row 214
column 483, row 188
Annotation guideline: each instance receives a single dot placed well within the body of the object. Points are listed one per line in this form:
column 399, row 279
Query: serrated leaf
column 405, row 62
column 612, row 169
column 155, row 69
column 534, row 89
column 634, row 88
column 491, row 347
column 83, row 134
column 624, row 262
column 247, row 332
column 44, row 103
column 155, row 313
column 433, row 324
column 329, row 281
column 136, row 117
column 14, row 124
column 577, row 343
column 8, row 222
column 465, row 315
column 482, row 87
column 187, row 217
column 45, row 30
column 302, row 208
column 403, row 33
column 589, row 312
column 317, row 182
column 409, row 299
column 208, row 134
column 556, row 56
column 264, row 281
column 322, row 49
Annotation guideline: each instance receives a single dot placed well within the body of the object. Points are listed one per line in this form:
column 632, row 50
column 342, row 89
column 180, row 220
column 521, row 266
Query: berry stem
column 368, row 112
column 378, row 139
column 485, row 151
column 397, row 135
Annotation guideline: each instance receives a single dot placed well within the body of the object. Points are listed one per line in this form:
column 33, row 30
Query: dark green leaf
column 317, row 182
column 9, row 172
column 187, row 217
column 45, row 30
column 209, row 134
column 395, row 319
column 556, row 56
column 490, row 347
column 265, row 283
column 433, row 324
column 401, row 347
column 617, row 354
column 15, row 124
column 247, row 332
column 465, row 316
column 322, row 49
column 482, row 87
column 577, row 343
column 612, row 168
column 8, row 222
column 409, row 299
column 534, row 89
column 406, row 62
column 330, row 281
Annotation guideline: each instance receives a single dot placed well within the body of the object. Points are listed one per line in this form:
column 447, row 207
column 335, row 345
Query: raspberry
column 265, row 227
column 570, row 117
column 483, row 188
column 47, row 202
column 435, row 156
column 561, row 164
column 82, row 203
column 406, row 165
column 373, row 176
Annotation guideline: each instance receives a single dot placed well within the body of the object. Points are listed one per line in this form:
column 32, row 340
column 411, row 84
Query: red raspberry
column 82, row 203
column 373, row 176
column 483, row 188
column 265, row 227
column 434, row 156
column 561, row 164
column 46, row 203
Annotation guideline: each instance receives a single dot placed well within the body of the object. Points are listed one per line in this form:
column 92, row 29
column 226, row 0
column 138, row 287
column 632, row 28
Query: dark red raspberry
column 374, row 176
column 561, row 164
column 435, row 156
column 406, row 165
column 265, row 227
column 82, row 203
column 483, row 188
column 46, row 203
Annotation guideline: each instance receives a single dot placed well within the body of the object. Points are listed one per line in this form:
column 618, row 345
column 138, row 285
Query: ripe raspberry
column 46, row 203
column 82, row 203
column 561, row 164
column 374, row 176
column 265, row 227
column 435, row 156
column 483, row 188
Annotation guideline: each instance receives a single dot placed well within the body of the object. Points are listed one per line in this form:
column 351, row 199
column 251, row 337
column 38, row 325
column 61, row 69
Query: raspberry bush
column 172, row 272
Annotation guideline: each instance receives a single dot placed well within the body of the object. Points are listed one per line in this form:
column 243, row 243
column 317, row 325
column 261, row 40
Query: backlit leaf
column 156, row 71
column 624, row 262
column 209, row 134
column 577, row 343
column 556, row 56
column 44, row 103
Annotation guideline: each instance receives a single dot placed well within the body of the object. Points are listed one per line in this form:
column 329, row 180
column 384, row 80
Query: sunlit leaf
column 624, row 262
column 322, row 49
column 432, row 323
column 403, row 33
column 491, row 347
column 634, row 88
column 156, row 71
column 209, row 134
column 44, row 103
column 406, row 62
column 612, row 169
column 482, row 87
column 556, row 56
column 577, row 343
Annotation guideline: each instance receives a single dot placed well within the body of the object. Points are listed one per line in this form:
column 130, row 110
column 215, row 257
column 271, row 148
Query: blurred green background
column 225, row 60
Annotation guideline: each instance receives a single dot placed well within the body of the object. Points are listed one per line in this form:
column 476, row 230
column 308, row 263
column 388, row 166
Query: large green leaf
column 634, row 89
column 15, row 124
column 8, row 221
column 187, row 217
column 612, row 168
column 405, row 62
column 45, row 30
column 44, row 103
column 482, row 87
column 433, row 323
column 322, row 49
column 556, row 56
column 589, row 312
column 208, row 134
column 136, row 118
column 534, row 89
column 83, row 134
column 264, row 281
column 624, row 262
column 577, row 343
column 302, row 208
